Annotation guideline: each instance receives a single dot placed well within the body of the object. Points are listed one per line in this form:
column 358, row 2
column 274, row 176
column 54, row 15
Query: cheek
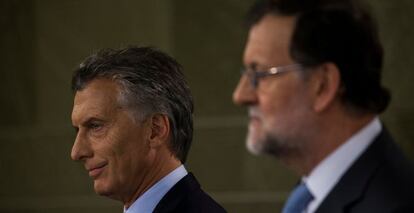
column 280, row 97
column 273, row 103
column 127, row 150
column 110, row 149
column 119, row 142
column 281, row 110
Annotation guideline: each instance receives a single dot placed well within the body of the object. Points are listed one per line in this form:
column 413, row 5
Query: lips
column 254, row 116
column 254, row 124
column 96, row 170
column 254, row 113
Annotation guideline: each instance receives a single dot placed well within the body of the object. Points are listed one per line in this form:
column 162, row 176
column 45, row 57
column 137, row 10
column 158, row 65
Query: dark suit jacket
column 186, row 196
column 381, row 181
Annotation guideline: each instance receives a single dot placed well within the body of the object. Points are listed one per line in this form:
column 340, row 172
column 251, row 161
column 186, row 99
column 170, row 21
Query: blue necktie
column 298, row 200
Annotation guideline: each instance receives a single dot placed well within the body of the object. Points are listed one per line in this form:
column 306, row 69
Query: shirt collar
column 149, row 200
column 327, row 173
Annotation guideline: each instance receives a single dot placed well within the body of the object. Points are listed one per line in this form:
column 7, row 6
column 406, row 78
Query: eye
column 94, row 126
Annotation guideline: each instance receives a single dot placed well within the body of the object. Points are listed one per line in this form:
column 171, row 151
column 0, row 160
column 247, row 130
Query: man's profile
column 133, row 118
column 312, row 85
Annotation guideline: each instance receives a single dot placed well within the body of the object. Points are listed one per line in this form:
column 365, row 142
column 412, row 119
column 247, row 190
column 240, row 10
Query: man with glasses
column 312, row 85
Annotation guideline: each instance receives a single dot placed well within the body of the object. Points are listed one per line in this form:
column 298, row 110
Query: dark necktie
column 298, row 200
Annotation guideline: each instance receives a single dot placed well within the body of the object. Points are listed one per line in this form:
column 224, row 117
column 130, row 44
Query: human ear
column 160, row 129
column 327, row 86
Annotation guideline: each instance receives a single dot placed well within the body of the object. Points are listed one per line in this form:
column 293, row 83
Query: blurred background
column 43, row 41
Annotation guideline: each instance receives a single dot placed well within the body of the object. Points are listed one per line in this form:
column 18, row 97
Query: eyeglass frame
column 255, row 75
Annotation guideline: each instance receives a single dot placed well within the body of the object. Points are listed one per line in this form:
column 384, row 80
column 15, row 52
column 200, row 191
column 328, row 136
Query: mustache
column 254, row 112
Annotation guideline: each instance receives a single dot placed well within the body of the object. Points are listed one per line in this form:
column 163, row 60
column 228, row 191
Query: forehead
column 269, row 41
column 100, row 96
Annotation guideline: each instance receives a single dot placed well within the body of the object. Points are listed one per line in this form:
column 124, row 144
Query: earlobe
column 160, row 128
column 327, row 86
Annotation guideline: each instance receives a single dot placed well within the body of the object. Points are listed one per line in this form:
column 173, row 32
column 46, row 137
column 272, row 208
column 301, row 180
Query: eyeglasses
column 256, row 75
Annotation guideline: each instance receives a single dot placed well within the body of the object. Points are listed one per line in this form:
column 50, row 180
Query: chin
column 253, row 144
column 254, row 139
column 102, row 188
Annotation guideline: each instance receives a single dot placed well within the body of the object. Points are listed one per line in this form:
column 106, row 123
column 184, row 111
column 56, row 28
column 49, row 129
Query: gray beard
column 279, row 148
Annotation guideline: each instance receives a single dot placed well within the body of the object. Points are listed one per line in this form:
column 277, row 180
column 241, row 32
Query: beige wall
column 42, row 41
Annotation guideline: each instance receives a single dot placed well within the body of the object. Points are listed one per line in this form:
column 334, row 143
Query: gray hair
column 151, row 82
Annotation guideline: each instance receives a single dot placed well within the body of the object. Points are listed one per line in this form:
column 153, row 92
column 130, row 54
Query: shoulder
column 380, row 180
column 391, row 186
column 187, row 196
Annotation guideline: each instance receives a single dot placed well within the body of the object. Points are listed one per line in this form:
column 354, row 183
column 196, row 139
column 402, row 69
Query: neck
column 161, row 167
column 324, row 140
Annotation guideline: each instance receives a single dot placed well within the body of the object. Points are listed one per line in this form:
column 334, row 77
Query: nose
column 245, row 93
column 81, row 148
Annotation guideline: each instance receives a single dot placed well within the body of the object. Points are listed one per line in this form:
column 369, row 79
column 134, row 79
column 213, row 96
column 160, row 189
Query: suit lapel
column 352, row 185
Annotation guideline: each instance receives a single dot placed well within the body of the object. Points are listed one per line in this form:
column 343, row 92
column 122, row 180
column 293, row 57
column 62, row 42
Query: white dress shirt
column 147, row 202
column 326, row 174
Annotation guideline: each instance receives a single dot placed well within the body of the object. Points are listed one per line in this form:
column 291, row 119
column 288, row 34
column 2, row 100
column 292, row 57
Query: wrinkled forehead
column 98, row 97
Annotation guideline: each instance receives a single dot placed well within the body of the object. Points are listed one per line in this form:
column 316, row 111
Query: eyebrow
column 256, row 66
column 88, row 121
column 252, row 65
